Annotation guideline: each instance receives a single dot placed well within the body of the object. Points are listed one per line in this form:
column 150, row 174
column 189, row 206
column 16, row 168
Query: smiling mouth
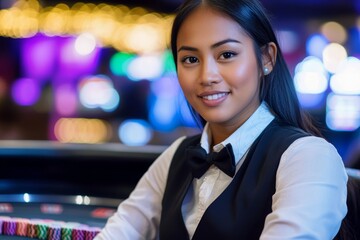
column 214, row 96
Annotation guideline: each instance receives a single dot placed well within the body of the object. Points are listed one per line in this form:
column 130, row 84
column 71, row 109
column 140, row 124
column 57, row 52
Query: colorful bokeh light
column 81, row 130
column 135, row 132
column 315, row 45
column 66, row 100
column 119, row 63
column 147, row 67
column 343, row 112
column 26, row 91
column 98, row 92
column 346, row 80
column 85, row 44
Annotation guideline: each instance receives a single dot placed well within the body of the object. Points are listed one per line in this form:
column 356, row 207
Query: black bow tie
column 200, row 161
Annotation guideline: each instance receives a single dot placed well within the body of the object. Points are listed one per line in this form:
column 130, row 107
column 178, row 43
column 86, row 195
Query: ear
column 269, row 52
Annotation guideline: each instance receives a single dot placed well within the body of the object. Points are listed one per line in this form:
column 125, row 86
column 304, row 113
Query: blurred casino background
column 101, row 71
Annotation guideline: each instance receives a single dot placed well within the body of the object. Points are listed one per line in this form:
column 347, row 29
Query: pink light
column 65, row 100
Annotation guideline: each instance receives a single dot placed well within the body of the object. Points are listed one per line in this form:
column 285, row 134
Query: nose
column 209, row 73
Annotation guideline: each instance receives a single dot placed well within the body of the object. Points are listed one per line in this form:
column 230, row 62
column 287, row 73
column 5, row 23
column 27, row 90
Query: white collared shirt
column 207, row 188
column 309, row 202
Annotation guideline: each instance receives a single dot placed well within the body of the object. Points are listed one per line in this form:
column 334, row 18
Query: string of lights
column 120, row 27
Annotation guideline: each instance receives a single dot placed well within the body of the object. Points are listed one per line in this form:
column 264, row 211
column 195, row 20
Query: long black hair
column 276, row 88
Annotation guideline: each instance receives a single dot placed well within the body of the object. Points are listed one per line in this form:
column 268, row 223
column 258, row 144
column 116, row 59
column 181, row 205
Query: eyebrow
column 215, row 45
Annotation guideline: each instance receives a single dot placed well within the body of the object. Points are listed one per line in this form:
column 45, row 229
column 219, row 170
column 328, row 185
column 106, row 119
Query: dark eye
column 189, row 60
column 227, row 55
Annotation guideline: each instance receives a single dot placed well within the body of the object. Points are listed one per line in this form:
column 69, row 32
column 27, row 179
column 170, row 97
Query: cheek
column 241, row 75
column 186, row 77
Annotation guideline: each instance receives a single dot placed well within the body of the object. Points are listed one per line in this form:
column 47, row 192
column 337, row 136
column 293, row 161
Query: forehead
column 209, row 24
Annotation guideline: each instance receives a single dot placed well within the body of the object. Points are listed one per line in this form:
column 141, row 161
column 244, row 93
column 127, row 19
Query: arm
column 310, row 198
column 138, row 217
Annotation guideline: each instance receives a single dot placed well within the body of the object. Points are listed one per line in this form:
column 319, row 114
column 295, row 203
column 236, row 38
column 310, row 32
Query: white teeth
column 214, row 96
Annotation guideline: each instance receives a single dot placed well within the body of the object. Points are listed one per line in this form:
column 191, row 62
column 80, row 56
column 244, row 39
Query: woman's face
column 217, row 68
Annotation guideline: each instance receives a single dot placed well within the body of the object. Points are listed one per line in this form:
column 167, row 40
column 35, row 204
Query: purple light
column 166, row 86
column 72, row 64
column 38, row 57
column 25, row 91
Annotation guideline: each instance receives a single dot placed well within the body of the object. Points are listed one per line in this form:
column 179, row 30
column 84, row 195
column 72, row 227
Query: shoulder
column 308, row 145
column 312, row 155
column 310, row 190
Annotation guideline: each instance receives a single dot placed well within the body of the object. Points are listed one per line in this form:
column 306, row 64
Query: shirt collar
column 244, row 136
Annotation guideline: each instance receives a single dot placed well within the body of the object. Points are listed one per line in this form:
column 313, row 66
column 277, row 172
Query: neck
column 222, row 130
column 219, row 133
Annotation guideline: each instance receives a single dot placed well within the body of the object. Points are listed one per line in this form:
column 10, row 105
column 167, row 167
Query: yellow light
column 334, row 32
column 26, row 4
column 144, row 38
column 81, row 130
column 118, row 26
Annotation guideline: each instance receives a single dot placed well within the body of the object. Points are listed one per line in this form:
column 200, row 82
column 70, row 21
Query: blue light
column 163, row 113
column 135, row 132
column 311, row 100
column 315, row 45
column 163, row 103
column 26, row 197
column 185, row 113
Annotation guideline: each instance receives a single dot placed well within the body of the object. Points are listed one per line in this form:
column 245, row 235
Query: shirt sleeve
column 138, row 217
column 310, row 198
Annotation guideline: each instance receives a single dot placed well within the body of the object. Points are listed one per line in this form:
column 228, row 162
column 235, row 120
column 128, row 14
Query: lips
column 213, row 99
column 215, row 96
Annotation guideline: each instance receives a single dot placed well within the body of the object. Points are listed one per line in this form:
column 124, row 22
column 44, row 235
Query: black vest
column 239, row 212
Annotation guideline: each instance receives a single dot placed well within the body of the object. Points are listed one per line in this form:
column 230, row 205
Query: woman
column 280, row 179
